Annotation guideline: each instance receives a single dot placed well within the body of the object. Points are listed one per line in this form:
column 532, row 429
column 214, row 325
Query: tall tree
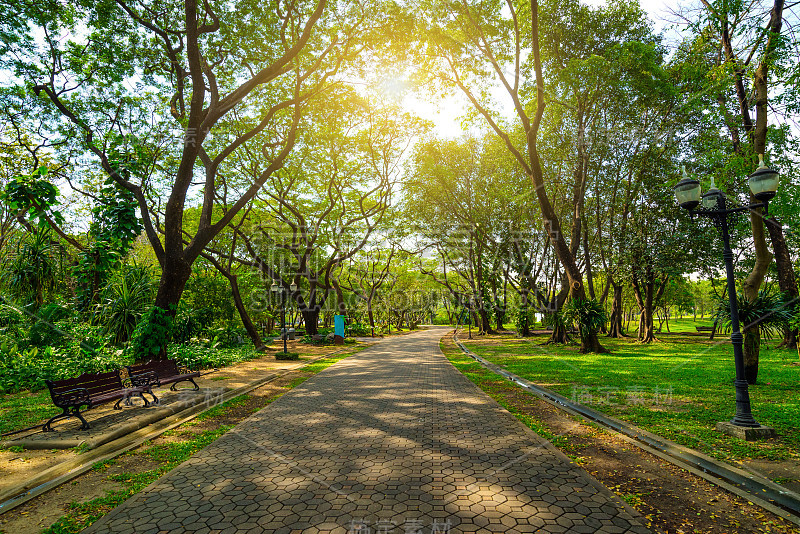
column 171, row 71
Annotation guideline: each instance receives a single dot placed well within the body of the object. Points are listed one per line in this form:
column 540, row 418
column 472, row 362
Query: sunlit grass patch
column 679, row 388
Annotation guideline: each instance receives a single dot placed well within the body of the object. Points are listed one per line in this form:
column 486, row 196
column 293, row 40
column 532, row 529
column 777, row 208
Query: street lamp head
column 687, row 191
column 711, row 199
column 293, row 287
column 764, row 181
column 276, row 288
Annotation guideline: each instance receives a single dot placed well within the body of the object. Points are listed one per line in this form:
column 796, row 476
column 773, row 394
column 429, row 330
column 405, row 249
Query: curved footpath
column 392, row 440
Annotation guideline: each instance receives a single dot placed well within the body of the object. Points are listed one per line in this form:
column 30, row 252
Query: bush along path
column 671, row 499
column 67, row 508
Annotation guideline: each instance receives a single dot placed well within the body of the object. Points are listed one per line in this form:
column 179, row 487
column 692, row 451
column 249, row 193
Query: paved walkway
column 392, row 440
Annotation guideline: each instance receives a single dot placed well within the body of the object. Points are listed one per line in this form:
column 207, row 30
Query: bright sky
column 446, row 113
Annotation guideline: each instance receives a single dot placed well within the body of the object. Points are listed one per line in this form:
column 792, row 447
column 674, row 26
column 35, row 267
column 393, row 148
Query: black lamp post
column 280, row 291
column 713, row 204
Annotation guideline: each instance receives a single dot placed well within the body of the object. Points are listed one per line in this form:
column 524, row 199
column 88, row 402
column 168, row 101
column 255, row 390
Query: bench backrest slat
column 162, row 368
column 95, row 383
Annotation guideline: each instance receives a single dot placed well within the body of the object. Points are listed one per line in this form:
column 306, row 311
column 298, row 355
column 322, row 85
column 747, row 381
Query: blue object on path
column 338, row 325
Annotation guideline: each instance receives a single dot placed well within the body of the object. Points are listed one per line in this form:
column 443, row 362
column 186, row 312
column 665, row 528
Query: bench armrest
column 182, row 369
column 72, row 397
column 145, row 379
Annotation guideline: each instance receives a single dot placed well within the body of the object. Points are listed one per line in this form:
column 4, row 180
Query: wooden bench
column 160, row 373
column 704, row 328
column 89, row 390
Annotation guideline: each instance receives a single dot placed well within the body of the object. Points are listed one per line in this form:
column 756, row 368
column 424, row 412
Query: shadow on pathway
column 391, row 440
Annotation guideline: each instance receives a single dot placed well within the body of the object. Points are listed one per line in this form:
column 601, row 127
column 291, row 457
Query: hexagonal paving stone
column 393, row 433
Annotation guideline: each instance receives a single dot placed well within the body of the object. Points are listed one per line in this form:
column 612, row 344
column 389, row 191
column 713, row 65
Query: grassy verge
column 678, row 389
column 168, row 454
column 21, row 410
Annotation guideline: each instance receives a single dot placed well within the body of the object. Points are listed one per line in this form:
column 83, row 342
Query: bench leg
column 74, row 412
column 77, row 413
column 146, row 402
column 155, row 399
column 196, row 387
column 63, row 415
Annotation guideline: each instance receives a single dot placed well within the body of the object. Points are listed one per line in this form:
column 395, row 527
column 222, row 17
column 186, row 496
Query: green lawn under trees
column 678, row 389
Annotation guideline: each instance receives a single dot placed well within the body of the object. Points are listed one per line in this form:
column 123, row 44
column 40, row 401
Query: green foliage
column 151, row 335
column 31, row 271
column 125, row 300
column 114, row 228
column 794, row 322
column 555, row 320
column 226, row 337
column 10, row 316
column 33, row 195
column 49, row 329
column 523, row 318
column 769, row 313
column 287, row 355
column 588, row 314
column 22, row 369
column 190, row 322
column 357, row 329
column 210, row 296
column 199, row 356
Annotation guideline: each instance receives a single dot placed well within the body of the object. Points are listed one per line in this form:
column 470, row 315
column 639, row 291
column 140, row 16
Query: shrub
column 287, row 355
column 196, row 356
column 794, row 323
column 523, row 318
column 356, row 329
column 589, row 315
column 22, row 369
column 189, row 323
column 125, row 301
column 10, row 316
column 151, row 335
column 768, row 312
column 52, row 327
column 227, row 336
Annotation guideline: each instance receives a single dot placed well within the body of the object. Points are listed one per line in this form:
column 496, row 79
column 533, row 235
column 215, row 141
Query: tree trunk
column 311, row 319
column 170, row 287
column 752, row 344
column 371, row 317
column 786, row 278
column 500, row 318
column 486, row 325
column 750, row 287
column 252, row 331
column 615, row 329
column 646, row 326
column 559, row 335
column 591, row 344
column 525, row 325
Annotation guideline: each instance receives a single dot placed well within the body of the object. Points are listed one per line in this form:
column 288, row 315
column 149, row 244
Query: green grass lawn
column 21, row 410
column 679, row 388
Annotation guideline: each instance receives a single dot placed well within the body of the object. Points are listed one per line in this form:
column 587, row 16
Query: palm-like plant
column 127, row 297
column 769, row 313
column 31, row 270
column 589, row 315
